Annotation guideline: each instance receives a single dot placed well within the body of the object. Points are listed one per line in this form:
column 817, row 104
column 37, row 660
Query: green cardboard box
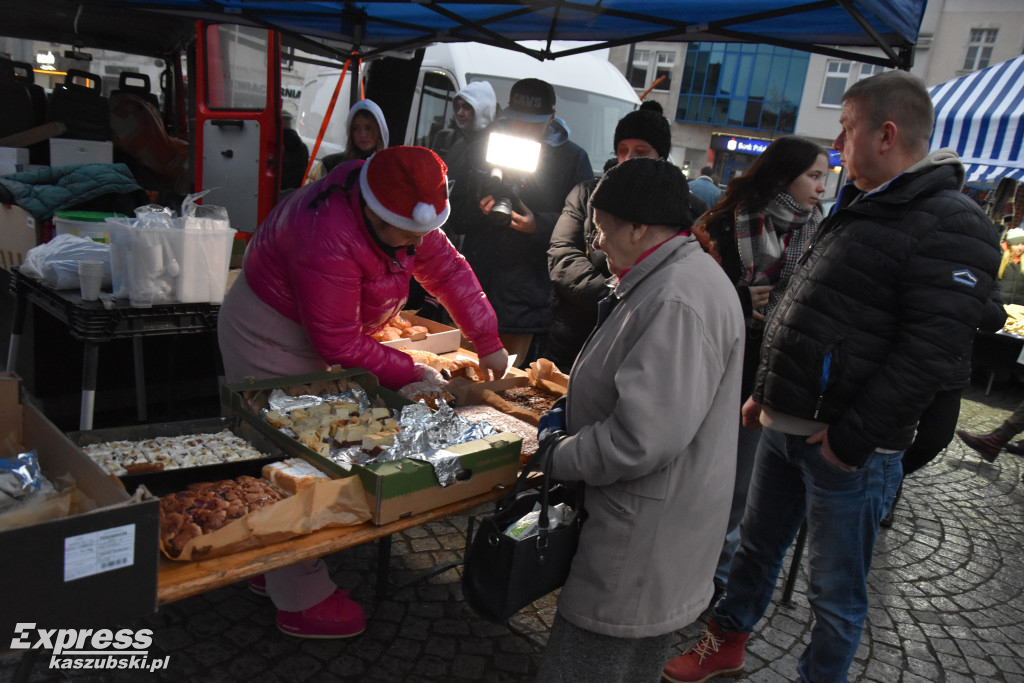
column 397, row 488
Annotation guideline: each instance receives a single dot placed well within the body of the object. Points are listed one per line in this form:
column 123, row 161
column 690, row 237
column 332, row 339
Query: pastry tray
column 162, row 482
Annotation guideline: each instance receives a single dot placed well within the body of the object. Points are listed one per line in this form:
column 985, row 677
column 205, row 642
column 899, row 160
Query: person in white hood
column 475, row 109
column 367, row 133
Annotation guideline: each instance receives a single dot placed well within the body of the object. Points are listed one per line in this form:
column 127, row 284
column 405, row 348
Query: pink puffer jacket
column 314, row 261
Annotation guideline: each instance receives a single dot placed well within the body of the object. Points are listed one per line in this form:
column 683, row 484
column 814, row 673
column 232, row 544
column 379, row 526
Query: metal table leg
column 90, row 364
column 140, row 378
column 17, row 329
column 794, row 566
column 383, row 566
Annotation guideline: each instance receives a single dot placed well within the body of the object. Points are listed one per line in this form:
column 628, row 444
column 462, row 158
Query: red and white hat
column 407, row 187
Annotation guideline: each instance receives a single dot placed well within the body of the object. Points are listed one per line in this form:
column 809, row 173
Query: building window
column 663, row 67
column 836, row 77
column 641, row 64
column 869, row 70
column 742, row 85
column 979, row 48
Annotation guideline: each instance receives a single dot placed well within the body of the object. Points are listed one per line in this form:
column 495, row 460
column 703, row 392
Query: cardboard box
column 90, row 570
column 440, row 339
column 17, row 235
column 394, row 489
column 67, row 151
column 14, row 155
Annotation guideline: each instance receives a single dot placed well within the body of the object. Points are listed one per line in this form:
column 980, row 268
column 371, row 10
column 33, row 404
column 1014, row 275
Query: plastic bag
column 21, row 478
column 529, row 524
column 203, row 216
column 56, row 262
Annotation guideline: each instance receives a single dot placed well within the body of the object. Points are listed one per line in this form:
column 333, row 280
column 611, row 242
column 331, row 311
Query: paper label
column 98, row 552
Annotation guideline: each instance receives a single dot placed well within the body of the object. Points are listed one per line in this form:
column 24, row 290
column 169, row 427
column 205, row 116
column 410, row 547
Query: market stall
column 981, row 116
column 357, row 494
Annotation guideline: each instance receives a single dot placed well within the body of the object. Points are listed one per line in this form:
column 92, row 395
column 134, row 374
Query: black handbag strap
column 539, row 462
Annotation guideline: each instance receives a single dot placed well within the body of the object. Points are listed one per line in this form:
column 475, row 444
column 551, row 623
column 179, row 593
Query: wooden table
column 178, row 580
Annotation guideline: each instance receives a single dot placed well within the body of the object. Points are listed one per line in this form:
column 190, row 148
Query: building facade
column 727, row 101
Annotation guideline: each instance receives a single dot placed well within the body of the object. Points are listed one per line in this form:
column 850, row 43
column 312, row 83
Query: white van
column 416, row 96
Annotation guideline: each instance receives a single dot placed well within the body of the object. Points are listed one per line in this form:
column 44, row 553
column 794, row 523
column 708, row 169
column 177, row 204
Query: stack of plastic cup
column 90, row 276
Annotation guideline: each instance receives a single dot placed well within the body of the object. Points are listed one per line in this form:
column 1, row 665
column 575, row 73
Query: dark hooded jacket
column 512, row 266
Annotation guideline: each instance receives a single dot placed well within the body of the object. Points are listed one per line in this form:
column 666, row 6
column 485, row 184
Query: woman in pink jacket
column 328, row 268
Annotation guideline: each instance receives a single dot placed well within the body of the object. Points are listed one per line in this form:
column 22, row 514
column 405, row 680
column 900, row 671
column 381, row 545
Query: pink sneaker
column 258, row 585
column 336, row 617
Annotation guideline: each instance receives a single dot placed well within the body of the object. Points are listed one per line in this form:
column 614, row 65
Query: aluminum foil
column 283, row 403
column 426, row 434
column 20, row 479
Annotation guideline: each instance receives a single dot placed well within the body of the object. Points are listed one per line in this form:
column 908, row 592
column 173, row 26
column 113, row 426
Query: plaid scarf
column 771, row 241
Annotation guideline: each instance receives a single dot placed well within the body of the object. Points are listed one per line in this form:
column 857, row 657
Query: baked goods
column 208, row 506
column 338, row 423
column 503, row 423
column 400, row 328
column 170, row 452
column 428, row 392
column 292, row 475
column 533, row 399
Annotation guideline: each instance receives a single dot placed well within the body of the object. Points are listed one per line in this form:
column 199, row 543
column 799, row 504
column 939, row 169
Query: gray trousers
column 575, row 655
column 1014, row 424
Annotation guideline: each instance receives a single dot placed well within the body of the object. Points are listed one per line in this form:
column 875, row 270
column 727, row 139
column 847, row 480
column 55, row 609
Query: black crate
column 162, row 482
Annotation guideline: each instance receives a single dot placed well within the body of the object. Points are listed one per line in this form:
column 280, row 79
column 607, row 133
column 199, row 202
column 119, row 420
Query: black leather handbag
column 501, row 575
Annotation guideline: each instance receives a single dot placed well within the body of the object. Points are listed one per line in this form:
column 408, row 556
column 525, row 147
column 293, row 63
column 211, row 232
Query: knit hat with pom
column 407, row 187
column 646, row 125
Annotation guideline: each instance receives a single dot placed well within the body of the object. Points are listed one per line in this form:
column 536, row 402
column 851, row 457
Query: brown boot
column 988, row 445
column 717, row 653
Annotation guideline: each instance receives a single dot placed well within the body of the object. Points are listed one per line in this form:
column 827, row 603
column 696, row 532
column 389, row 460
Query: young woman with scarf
column 760, row 227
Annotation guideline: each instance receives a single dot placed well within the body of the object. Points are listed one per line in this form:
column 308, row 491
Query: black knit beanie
column 647, row 191
column 648, row 126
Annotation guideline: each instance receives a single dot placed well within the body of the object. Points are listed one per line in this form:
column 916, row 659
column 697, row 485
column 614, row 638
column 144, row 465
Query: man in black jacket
column 876, row 319
column 510, row 259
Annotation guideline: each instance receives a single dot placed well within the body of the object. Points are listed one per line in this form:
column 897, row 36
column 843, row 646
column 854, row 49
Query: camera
column 511, row 158
column 506, row 199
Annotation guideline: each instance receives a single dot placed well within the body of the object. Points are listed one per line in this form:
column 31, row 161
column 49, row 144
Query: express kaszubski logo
column 86, row 648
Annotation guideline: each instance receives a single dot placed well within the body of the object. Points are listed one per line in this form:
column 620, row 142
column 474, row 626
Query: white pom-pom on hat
column 424, row 213
column 407, row 187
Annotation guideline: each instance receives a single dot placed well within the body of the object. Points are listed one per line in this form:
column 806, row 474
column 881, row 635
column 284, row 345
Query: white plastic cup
column 90, row 278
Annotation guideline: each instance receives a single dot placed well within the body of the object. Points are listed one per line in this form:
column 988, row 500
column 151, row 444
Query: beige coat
column 652, row 416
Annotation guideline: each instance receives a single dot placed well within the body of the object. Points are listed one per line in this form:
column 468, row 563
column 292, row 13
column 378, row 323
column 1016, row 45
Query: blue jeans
column 746, row 449
column 792, row 480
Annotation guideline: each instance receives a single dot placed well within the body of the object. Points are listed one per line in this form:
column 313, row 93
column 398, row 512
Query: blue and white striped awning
column 981, row 116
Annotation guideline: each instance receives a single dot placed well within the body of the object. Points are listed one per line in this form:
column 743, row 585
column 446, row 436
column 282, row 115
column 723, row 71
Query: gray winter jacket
column 651, row 413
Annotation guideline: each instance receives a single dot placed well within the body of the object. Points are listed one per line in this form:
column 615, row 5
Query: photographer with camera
column 507, row 216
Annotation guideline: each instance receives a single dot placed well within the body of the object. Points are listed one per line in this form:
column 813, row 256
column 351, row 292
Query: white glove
column 431, row 375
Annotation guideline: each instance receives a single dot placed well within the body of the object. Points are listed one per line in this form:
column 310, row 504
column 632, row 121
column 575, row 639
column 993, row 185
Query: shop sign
column 739, row 145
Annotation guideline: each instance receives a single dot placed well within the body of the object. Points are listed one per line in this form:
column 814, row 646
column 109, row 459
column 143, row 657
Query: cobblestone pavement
column 946, row 601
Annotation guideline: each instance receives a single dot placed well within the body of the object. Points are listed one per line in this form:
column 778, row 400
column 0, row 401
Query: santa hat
column 407, row 187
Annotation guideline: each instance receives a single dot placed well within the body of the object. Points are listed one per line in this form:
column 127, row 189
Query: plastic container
column 91, row 224
column 169, row 265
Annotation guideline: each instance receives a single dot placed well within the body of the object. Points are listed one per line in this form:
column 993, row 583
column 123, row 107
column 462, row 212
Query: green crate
column 397, row 488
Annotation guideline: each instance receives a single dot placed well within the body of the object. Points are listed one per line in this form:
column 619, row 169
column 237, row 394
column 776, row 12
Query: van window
column 435, row 107
column 591, row 117
column 236, row 70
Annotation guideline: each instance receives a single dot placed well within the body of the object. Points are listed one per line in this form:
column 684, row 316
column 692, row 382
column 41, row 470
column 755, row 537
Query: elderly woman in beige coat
column 650, row 413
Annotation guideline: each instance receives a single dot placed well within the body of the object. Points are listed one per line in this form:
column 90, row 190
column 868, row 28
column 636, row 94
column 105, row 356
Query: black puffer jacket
column 580, row 277
column 883, row 312
column 512, row 266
